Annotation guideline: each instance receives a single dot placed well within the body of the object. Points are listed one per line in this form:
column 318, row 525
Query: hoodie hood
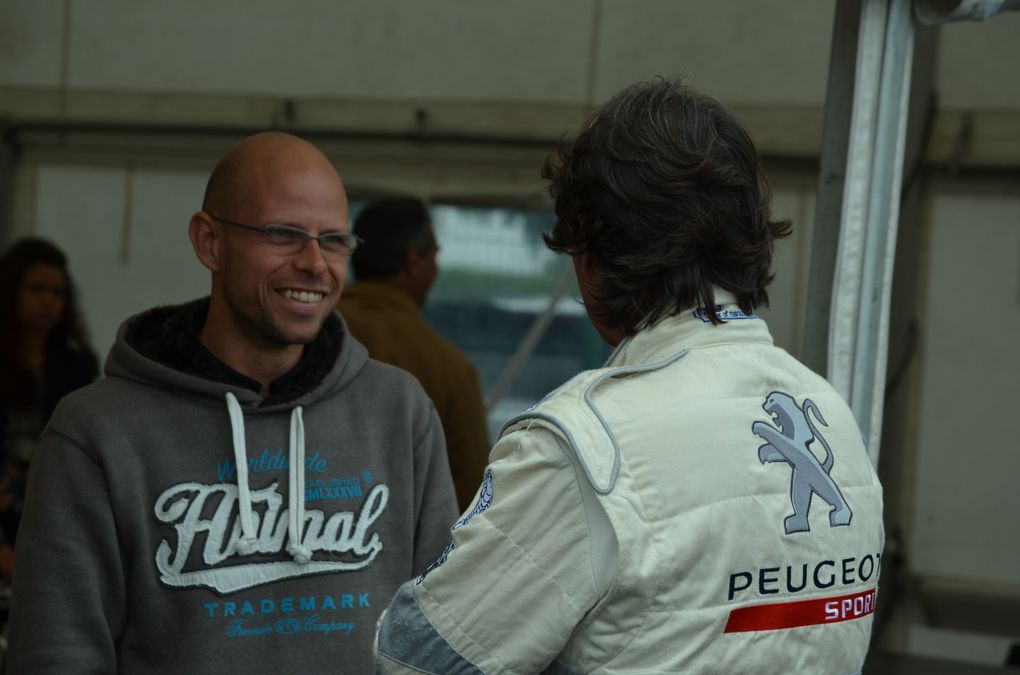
column 161, row 347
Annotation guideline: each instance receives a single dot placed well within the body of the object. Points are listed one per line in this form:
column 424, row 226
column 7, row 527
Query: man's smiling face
column 276, row 298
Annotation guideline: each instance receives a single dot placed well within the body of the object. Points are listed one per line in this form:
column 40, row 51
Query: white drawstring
column 249, row 539
column 301, row 553
column 248, row 542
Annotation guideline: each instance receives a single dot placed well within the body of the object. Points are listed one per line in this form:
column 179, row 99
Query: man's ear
column 205, row 239
column 585, row 269
column 414, row 261
column 588, row 262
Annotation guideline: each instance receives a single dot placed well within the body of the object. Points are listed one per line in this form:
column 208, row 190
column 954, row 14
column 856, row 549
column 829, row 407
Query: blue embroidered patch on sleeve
column 484, row 501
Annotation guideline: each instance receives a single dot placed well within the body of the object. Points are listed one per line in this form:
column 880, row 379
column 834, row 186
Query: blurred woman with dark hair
column 43, row 356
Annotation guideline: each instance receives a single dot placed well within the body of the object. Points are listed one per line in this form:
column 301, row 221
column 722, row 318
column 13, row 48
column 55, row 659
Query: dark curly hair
column 664, row 191
column 17, row 386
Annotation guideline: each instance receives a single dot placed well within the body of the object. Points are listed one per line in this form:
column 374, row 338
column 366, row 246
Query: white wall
column 232, row 61
column 977, row 64
column 566, row 51
column 793, row 197
column 127, row 253
column 966, row 501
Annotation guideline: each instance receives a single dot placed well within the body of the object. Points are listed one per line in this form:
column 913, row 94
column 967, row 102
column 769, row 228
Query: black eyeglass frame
column 348, row 240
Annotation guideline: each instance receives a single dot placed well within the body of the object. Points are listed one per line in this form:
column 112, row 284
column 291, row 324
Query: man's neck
column 262, row 363
column 409, row 288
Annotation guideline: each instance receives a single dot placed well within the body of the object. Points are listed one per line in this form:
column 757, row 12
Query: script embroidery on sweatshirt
column 186, row 506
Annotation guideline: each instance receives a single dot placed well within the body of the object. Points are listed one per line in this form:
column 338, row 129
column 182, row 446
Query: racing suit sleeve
column 69, row 599
column 519, row 575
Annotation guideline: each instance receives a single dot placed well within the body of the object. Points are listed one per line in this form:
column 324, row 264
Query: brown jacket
column 387, row 321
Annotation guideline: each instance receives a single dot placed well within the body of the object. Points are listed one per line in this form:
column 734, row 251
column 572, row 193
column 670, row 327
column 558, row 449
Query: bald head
column 252, row 166
column 269, row 298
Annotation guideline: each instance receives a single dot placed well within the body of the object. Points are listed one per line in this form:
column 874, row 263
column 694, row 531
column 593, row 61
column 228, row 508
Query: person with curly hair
column 655, row 515
column 394, row 269
column 44, row 355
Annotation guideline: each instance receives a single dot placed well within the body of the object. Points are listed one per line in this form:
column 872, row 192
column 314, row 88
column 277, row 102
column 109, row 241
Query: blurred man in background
column 394, row 269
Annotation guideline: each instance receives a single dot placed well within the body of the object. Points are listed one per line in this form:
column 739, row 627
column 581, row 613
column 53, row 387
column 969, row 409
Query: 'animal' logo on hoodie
column 343, row 533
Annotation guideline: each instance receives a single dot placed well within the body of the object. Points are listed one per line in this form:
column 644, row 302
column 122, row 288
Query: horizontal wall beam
column 959, row 139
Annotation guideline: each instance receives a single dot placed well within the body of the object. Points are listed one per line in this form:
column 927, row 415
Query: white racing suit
column 702, row 504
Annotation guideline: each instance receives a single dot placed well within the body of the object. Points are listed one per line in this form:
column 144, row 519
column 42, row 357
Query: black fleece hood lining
column 169, row 335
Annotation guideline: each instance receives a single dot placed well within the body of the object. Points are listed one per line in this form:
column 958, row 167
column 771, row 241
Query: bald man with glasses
column 246, row 489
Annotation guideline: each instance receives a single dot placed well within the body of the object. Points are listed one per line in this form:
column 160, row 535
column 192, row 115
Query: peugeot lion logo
column 788, row 441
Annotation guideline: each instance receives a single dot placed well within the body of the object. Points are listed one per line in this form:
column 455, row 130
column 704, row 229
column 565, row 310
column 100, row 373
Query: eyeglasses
column 291, row 240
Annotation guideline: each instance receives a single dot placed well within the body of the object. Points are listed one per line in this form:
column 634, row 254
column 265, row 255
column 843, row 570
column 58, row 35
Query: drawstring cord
column 296, row 493
column 248, row 542
column 249, row 539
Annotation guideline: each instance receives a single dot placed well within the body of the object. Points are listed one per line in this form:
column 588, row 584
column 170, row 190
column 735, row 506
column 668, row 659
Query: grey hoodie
column 165, row 532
